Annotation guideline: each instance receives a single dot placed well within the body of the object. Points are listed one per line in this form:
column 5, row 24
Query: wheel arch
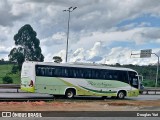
column 125, row 92
column 71, row 88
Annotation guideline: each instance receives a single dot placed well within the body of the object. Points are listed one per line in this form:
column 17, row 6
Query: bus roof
column 93, row 66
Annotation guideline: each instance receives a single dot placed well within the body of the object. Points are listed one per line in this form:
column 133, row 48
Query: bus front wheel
column 70, row 93
column 121, row 95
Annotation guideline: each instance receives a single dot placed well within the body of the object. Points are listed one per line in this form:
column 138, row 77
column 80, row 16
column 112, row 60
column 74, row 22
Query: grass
column 6, row 70
column 150, row 83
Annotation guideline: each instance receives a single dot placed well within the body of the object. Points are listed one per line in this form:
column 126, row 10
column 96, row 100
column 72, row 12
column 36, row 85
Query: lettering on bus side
column 101, row 84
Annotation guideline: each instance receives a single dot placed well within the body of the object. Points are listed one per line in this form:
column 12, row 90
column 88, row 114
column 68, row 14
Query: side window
column 115, row 75
column 38, row 71
column 86, row 73
column 52, row 72
column 106, row 75
column 122, row 76
column 42, row 71
column 110, row 74
column 70, row 72
column 75, row 73
column 64, row 72
column 97, row 74
column 89, row 74
column 49, row 71
column 81, row 73
column 46, row 71
column 58, row 72
column 102, row 74
column 93, row 73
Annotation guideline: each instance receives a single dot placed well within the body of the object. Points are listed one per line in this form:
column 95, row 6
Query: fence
column 151, row 91
column 10, row 86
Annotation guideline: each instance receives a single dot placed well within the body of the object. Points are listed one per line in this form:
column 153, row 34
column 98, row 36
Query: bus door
column 133, row 79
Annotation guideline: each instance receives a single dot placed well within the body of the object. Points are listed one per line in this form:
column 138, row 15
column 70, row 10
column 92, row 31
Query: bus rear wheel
column 70, row 93
column 121, row 95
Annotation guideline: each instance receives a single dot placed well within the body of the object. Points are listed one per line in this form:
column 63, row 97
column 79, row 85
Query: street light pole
column 157, row 70
column 69, row 10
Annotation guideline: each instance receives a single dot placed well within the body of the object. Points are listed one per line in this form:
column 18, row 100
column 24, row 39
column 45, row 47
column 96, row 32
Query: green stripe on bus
column 99, row 91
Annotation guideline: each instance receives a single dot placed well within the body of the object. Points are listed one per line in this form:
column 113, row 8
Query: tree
column 15, row 69
column 27, row 46
column 117, row 64
column 17, row 55
column 57, row 59
column 7, row 80
column 2, row 60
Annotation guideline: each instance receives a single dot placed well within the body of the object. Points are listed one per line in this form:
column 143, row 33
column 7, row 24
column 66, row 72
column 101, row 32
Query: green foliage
column 17, row 55
column 2, row 60
column 7, row 80
column 15, row 69
column 6, row 70
column 29, row 46
column 148, row 83
column 57, row 59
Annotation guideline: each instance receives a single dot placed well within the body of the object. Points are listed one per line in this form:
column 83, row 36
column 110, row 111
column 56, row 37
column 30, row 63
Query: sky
column 101, row 31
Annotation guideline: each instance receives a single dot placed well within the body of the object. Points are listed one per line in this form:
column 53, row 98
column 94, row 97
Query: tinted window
column 123, row 76
column 74, row 72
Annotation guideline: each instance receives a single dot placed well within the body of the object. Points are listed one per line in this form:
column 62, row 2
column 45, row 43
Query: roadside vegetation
column 6, row 74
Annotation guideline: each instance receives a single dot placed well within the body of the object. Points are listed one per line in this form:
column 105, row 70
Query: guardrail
column 151, row 91
column 10, row 86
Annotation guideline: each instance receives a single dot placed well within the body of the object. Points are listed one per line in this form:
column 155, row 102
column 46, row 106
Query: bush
column 15, row 69
column 7, row 80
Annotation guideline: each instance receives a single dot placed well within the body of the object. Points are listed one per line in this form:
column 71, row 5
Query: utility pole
column 69, row 10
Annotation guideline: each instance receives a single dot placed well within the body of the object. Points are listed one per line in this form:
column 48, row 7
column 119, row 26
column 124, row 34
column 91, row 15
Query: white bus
column 83, row 80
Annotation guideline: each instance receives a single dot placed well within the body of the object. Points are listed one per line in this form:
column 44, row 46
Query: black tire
column 113, row 97
column 141, row 92
column 104, row 97
column 121, row 95
column 58, row 96
column 70, row 93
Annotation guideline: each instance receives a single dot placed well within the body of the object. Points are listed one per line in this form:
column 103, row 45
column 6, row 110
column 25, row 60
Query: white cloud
column 114, row 55
column 57, row 38
column 146, row 35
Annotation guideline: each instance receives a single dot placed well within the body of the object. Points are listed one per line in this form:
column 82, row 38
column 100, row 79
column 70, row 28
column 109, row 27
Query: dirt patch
column 122, row 105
